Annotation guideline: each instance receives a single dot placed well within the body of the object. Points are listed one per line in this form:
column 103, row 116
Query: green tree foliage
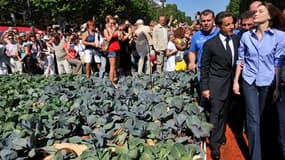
column 7, row 8
column 234, row 7
column 45, row 12
column 3, row 4
column 172, row 10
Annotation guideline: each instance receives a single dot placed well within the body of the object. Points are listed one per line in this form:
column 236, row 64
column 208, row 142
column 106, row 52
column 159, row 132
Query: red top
column 114, row 44
column 71, row 51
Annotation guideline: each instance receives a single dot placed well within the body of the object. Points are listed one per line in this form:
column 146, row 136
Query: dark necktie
column 228, row 48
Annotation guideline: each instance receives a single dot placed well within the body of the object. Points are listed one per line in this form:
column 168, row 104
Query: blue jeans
column 255, row 97
column 281, row 113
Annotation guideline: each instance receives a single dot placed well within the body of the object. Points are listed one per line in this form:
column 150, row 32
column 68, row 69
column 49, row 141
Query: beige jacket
column 160, row 37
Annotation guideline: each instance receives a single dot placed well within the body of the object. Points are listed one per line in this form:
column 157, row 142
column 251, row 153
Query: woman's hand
column 236, row 88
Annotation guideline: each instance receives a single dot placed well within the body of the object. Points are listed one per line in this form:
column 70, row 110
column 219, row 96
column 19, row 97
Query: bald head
column 253, row 6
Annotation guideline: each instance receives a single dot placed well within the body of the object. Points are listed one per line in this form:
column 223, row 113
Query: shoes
column 224, row 141
column 215, row 155
column 116, row 80
column 215, row 152
column 115, row 85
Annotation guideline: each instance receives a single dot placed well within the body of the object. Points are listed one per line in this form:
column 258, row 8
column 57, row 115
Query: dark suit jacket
column 217, row 71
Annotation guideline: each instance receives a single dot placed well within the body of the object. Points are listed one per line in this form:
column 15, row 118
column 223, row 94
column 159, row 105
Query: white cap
column 139, row 21
column 22, row 34
column 46, row 37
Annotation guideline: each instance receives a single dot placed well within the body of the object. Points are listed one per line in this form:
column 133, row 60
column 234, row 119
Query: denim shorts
column 112, row 54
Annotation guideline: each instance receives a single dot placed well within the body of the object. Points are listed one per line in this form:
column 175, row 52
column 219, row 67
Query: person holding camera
column 11, row 51
column 93, row 41
column 112, row 36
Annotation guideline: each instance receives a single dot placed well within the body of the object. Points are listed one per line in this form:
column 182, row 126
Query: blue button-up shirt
column 260, row 57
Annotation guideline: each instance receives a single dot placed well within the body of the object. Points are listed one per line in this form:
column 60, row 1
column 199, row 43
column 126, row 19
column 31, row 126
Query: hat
column 46, row 37
column 139, row 21
column 22, row 34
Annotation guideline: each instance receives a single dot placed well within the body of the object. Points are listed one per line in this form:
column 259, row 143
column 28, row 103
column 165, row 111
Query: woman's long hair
column 277, row 20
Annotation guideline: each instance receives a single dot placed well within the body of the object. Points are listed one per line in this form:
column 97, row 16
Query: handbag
column 180, row 66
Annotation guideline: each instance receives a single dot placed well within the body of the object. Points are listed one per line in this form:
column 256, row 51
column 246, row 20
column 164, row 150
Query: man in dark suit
column 217, row 72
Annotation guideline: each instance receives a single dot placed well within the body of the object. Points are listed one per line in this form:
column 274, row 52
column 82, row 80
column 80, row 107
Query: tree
column 54, row 9
column 7, row 8
column 234, row 7
column 46, row 12
column 172, row 10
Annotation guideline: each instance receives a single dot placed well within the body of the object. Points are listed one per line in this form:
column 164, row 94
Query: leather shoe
column 215, row 155
column 224, row 141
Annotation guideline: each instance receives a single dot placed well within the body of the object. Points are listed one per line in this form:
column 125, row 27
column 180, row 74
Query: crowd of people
column 119, row 49
column 241, row 56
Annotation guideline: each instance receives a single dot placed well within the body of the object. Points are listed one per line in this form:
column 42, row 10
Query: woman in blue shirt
column 259, row 54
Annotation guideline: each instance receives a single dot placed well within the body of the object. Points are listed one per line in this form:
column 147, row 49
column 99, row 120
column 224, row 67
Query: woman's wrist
column 235, row 80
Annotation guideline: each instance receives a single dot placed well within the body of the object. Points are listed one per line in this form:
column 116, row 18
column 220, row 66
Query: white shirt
column 223, row 39
column 170, row 62
column 11, row 49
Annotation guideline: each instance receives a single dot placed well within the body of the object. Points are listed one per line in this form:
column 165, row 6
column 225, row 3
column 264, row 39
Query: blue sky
column 190, row 7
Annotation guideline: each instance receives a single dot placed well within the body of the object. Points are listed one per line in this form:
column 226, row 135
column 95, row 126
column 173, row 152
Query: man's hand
column 276, row 95
column 192, row 67
column 206, row 94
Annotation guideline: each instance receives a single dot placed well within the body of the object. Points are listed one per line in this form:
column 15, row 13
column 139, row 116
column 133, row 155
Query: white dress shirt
column 223, row 39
